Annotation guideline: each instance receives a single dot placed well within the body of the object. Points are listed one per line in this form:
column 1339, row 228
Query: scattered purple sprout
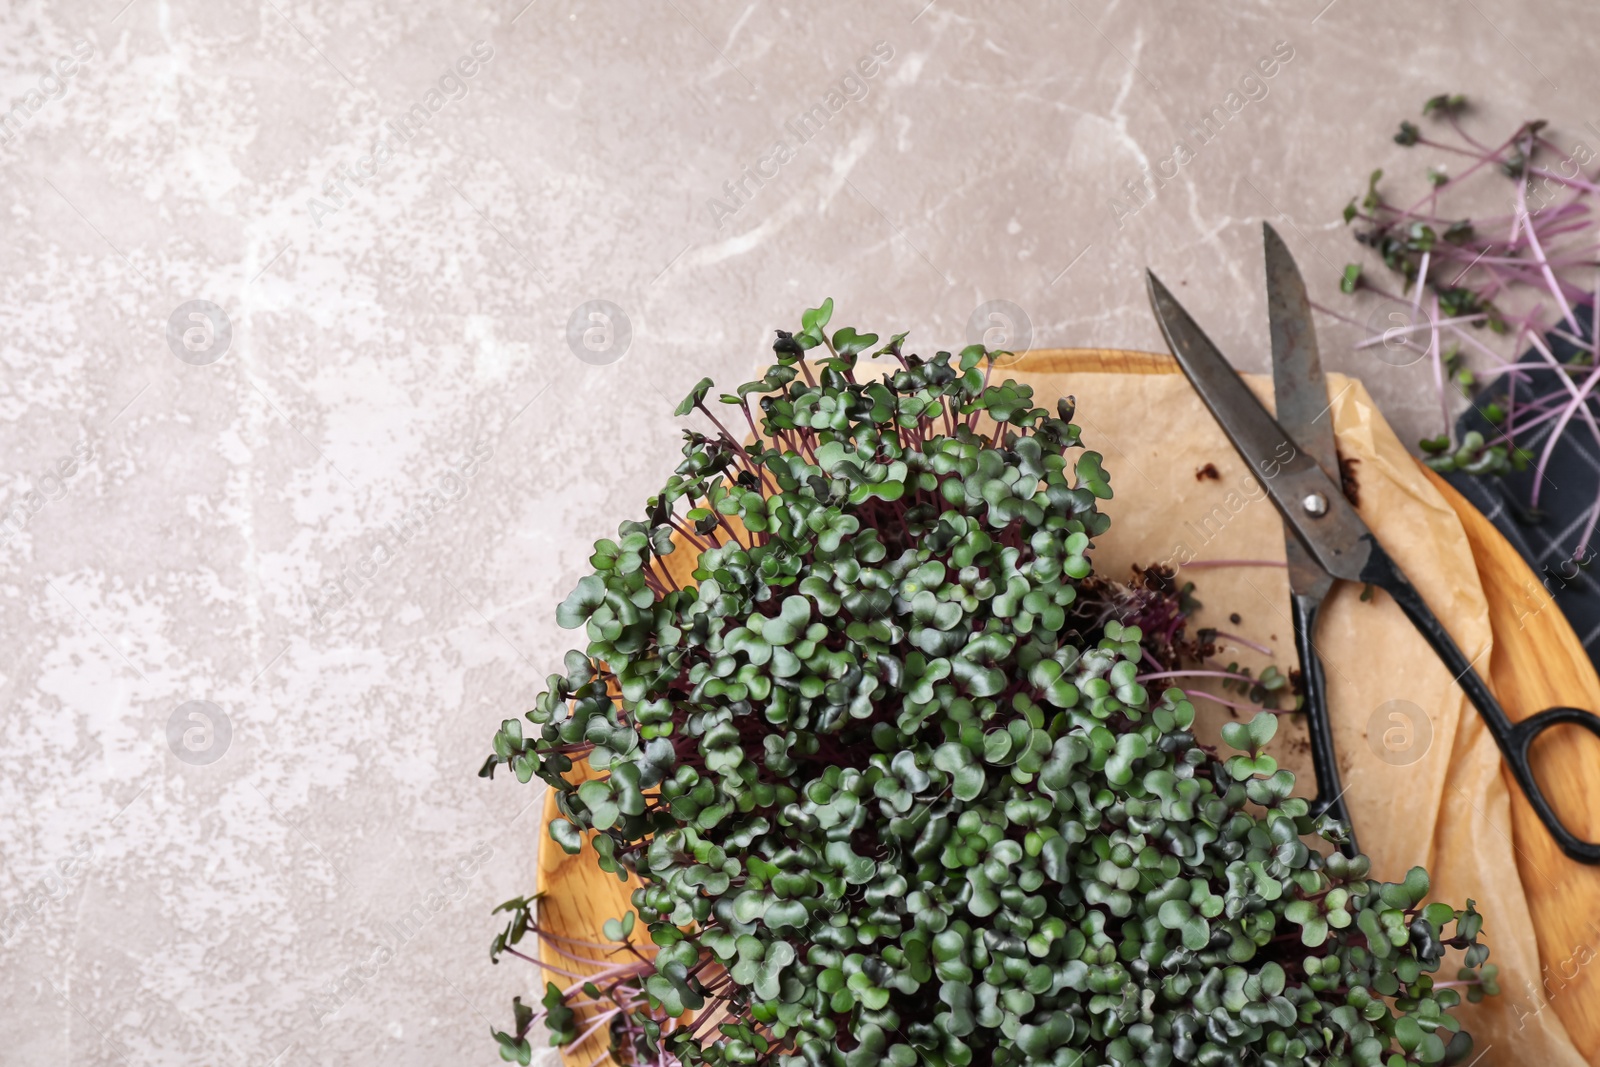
column 1465, row 274
column 612, row 997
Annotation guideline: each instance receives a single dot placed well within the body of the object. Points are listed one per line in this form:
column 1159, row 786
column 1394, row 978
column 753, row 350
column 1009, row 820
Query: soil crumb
column 1348, row 480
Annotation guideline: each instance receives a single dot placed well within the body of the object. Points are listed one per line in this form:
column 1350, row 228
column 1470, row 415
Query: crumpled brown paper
column 1422, row 775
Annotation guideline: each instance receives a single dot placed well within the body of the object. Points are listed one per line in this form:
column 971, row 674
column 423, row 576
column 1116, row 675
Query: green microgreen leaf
column 881, row 771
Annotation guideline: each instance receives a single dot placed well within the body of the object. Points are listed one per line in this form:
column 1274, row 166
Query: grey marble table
column 333, row 333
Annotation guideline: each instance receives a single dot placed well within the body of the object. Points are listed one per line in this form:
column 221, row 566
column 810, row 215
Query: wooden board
column 1537, row 661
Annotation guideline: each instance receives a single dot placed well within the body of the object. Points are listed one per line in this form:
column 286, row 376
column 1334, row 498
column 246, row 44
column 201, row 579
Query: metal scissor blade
column 1300, row 392
column 1329, row 527
column 1297, row 382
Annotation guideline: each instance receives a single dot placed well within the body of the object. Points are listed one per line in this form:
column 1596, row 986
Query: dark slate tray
column 1549, row 539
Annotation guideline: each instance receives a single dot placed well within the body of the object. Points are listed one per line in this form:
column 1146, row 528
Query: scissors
column 1297, row 463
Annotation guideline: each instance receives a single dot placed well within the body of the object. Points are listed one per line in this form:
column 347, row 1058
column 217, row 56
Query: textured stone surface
column 398, row 403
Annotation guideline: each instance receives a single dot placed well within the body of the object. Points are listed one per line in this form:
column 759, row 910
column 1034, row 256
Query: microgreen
column 1526, row 274
column 891, row 789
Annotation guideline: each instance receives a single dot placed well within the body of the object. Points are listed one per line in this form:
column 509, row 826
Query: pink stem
column 1567, row 411
column 573, row 956
column 1544, row 264
column 1561, row 179
column 1400, row 330
column 1219, row 700
column 600, row 1020
column 1438, row 364
column 1263, row 649
column 1234, row 563
column 1231, row 676
column 1588, row 416
column 614, row 971
column 1422, row 280
column 1488, row 157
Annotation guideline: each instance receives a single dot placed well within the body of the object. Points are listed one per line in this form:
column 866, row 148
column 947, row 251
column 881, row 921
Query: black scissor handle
column 1522, row 736
column 1330, row 793
column 1514, row 739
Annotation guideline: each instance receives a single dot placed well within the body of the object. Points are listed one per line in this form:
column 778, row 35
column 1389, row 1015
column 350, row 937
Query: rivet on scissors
column 1316, row 505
